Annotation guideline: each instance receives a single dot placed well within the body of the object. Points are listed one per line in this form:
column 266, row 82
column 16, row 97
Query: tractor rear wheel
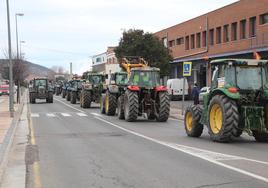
column 162, row 107
column 68, row 95
column 110, row 104
column 131, row 106
column 87, row 98
column 223, row 119
column 260, row 137
column 73, row 97
column 192, row 124
column 102, row 104
column 63, row 94
column 120, row 107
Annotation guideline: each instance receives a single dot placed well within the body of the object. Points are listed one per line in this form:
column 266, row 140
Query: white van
column 175, row 88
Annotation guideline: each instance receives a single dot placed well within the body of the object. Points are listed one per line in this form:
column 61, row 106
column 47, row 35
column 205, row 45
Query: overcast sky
column 61, row 31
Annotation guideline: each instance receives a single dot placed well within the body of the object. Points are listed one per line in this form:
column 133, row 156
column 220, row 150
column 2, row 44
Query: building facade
column 105, row 62
column 237, row 30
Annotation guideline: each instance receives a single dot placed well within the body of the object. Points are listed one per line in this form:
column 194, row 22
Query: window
column 192, row 41
column 211, row 36
column 234, row 31
column 243, row 29
column 198, row 40
column 187, row 43
column 98, row 59
column 252, row 27
column 226, row 33
column 264, row 19
column 204, row 38
column 171, row 43
column 164, row 40
column 179, row 41
column 218, row 35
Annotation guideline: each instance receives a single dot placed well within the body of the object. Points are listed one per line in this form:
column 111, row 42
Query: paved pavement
column 176, row 108
column 74, row 147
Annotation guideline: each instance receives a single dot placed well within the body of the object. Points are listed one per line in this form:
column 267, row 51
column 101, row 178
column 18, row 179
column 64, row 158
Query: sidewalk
column 176, row 109
column 7, row 128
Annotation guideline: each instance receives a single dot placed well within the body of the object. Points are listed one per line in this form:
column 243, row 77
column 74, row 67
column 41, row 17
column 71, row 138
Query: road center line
column 69, row 105
column 207, row 155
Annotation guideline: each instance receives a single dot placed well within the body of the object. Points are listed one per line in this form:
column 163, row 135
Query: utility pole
column 11, row 85
column 71, row 69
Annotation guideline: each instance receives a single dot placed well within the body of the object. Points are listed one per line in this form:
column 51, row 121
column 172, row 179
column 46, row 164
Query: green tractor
column 118, row 82
column 237, row 102
column 75, row 90
column 92, row 88
column 40, row 88
column 144, row 96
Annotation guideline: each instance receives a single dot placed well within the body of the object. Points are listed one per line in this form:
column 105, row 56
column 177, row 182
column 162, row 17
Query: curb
column 8, row 140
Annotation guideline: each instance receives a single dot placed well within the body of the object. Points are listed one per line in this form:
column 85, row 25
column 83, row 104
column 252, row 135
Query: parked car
column 203, row 91
column 175, row 88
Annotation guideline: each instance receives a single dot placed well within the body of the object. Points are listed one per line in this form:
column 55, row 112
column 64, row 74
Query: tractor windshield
column 247, row 78
column 95, row 79
column 40, row 82
column 145, row 78
column 121, row 79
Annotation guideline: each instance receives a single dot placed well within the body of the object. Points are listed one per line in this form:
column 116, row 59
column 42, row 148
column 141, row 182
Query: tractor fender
column 113, row 89
column 224, row 91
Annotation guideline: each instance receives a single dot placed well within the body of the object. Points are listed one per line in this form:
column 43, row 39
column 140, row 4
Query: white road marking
column 34, row 115
column 96, row 114
column 69, row 105
column 213, row 157
column 65, row 114
column 81, row 114
column 50, row 115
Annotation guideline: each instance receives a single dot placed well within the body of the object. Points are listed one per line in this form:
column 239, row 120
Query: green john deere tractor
column 118, row 82
column 237, row 102
column 92, row 88
column 40, row 88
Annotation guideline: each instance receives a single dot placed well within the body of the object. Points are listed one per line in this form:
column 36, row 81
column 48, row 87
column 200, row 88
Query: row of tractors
column 133, row 92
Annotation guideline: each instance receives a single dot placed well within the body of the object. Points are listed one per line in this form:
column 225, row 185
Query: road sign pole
column 183, row 96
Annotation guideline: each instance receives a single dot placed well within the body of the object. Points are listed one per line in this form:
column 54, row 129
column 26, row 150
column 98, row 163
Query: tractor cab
column 95, row 79
column 119, row 78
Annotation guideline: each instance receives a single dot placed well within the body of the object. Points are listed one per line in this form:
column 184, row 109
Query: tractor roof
column 145, row 69
column 250, row 62
column 95, row 74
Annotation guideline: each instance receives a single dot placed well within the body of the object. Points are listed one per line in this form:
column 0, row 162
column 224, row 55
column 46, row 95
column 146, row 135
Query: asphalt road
column 75, row 147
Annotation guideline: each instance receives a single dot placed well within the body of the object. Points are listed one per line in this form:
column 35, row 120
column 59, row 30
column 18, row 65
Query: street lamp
column 21, row 42
column 11, row 90
column 17, row 37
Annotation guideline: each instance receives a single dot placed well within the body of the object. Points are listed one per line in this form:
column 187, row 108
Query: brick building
column 234, row 31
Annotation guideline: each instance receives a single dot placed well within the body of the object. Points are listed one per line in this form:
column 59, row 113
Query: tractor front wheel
column 131, row 106
column 68, row 95
column 110, row 104
column 86, row 99
column 223, row 119
column 192, row 124
column 73, row 97
column 120, row 107
column 102, row 104
column 162, row 107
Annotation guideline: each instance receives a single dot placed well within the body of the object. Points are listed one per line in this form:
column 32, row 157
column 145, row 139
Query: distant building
column 105, row 62
column 234, row 31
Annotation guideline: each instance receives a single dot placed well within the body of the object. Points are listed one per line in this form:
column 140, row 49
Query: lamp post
column 18, row 54
column 11, row 90
column 17, row 37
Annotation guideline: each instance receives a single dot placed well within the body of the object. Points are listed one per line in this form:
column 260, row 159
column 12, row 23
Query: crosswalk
column 57, row 114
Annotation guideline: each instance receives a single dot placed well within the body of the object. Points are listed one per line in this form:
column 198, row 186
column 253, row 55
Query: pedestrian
column 195, row 94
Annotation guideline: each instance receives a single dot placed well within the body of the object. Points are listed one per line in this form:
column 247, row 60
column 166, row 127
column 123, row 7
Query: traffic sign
column 187, row 68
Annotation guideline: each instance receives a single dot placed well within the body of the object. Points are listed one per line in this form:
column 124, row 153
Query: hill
column 31, row 70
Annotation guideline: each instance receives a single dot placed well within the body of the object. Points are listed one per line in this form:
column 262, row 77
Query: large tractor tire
column 68, row 95
column 110, row 104
column 131, row 106
column 120, row 107
column 49, row 97
column 162, row 107
column 87, row 98
column 192, row 124
column 223, row 119
column 260, row 137
column 102, row 104
column 73, row 97
column 57, row 91
column 63, row 93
